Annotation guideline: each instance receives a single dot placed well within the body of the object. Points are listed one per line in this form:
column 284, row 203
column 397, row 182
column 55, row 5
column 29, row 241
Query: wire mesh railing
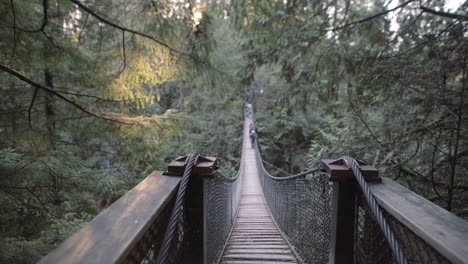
column 222, row 196
column 301, row 207
column 304, row 207
column 148, row 248
column 372, row 247
column 221, row 199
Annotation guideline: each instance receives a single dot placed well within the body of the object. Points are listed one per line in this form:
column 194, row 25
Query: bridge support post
column 194, row 206
column 342, row 223
column 344, row 208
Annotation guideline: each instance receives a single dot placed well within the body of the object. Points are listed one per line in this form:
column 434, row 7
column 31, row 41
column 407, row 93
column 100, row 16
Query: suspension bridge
column 341, row 212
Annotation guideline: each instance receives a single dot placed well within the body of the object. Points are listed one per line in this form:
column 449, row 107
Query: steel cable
column 394, row 245
column 288, row 176
column 302, row 209
column 174, row 219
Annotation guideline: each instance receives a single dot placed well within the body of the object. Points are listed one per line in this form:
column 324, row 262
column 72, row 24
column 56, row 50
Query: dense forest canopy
column 97, row 94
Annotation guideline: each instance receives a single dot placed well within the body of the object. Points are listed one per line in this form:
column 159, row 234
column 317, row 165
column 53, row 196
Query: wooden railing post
column 195, row 205
column 343, row 220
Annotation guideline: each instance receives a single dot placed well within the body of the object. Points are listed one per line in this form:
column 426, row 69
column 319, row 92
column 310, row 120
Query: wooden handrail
column 113, row 234
column 444, row 231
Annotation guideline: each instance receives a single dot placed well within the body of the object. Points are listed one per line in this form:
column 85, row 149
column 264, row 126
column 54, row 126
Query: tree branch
column 115, row 25
column 30, row 107
column 83, row 27
column 45, row 18
column 351, row 104
column 370, row 17
column 99, row 49
column 20, row 76
column 13, row 11
column 97, row 97
column 124, row 56
column 444, row 14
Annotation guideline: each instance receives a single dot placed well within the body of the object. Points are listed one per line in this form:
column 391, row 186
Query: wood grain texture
column 255, row 237
column 110, row 235
column 444, row 231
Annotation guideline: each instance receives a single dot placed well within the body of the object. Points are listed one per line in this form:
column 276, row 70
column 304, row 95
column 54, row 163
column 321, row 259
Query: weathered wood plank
column 259, row 257
column 255, row 237
column 256, row 243
column 258, row 246
column 111, row 235
column 445, row 232
column 258, row 251
column 256, row 262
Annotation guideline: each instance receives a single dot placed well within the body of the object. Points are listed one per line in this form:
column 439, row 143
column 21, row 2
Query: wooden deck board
column 255, row 237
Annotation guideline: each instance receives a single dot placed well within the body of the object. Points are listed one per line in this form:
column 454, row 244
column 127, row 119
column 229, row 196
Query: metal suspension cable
column 173, row 220
column 309, row 171
column 273, row 166
column 394, row 245
column 290, row 176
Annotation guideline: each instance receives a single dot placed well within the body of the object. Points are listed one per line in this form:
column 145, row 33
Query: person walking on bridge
column 252, row 135
column 248, row 110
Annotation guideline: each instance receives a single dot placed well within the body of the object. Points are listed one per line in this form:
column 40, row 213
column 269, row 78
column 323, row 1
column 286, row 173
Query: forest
column 95, row 95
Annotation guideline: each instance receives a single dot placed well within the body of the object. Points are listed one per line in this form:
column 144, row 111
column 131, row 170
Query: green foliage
column 327, row 79
column 21, row 250
column 337, row 80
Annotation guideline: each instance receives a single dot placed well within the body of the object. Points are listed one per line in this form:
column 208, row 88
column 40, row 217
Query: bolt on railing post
column 343, row 222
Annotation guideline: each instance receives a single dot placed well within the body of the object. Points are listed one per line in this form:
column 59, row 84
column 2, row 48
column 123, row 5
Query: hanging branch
column 115, row 25
column 109, row 100
column 83, row 27
column 49, row 38
column 160, row 42
column 49, row 90
column 433, row 181
column 444, row 14
column 352, row 105
column 423, row 8
column 124, row 56
column 30, row 107
column 124, row 51
column 370, row 17
column 13, row 11
column 99, row 49
column 45, row 18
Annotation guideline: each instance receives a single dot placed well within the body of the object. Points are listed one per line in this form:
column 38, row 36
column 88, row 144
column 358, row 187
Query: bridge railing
column 128, row 231
column 221, row 197
column 332, row 222
column 301, row 207
column 132, row 229
column 426, row 232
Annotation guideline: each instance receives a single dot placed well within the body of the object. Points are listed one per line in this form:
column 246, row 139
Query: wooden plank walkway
column 255, row 237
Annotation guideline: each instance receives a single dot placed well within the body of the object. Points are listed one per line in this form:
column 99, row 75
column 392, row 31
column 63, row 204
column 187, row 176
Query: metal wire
column 375, row 209
column 301, row 206
column 221, row 195
column 145, row 250
column 370, row 244
column 176, row 212
column 290, row 176
column 416, row 249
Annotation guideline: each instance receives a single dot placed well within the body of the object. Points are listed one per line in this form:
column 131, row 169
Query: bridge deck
column 255, row 237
